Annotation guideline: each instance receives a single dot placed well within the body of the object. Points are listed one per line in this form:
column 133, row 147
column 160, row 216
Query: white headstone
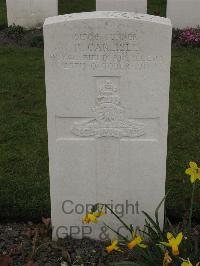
column 138, row 6
column 184, row 13
column 30, row 13
column 107, row 82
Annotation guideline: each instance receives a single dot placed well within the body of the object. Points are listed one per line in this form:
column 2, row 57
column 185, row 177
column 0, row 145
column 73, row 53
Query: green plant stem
column 191, row 207
column 122, row 222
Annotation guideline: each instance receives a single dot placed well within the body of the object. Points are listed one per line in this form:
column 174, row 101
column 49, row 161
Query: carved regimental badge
column 110, row 119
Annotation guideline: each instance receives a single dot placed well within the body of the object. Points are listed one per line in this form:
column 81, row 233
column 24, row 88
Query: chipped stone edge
column 107, row 15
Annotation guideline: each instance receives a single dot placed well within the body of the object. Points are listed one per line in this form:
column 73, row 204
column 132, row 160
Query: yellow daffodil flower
column 136, row 241
column 99, row 214
column 91, row 217
column 167, row 259
column 186, row 263
column 193, row 171
column 113, row 246
column 173, row 242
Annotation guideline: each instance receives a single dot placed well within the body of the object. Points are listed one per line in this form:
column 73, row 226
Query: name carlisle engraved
column 114, row 51
column 110, row 119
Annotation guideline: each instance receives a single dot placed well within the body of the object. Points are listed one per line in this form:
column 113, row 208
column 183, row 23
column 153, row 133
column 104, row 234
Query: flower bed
column 186, row 38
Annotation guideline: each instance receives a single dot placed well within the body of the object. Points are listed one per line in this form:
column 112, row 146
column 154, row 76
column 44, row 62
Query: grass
column 24, row 179
column 24, row 190
column 157, row 7
column 75, row 6
column 184, row 134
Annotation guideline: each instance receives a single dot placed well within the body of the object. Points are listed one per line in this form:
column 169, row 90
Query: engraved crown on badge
column 108, row 93
column 110, row 119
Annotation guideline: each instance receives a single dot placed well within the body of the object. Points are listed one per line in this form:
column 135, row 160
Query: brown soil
column 26, row 244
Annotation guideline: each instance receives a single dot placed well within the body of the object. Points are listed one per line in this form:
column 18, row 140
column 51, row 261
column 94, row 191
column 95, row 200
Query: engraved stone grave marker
column 138, row 6
column 107, row 82
column 30, row 13
column 184, row 13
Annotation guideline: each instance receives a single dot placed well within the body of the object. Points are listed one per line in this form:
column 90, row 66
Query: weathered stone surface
column 30, row 13
column 107, row 82
column 184, row 13
column 139, row 6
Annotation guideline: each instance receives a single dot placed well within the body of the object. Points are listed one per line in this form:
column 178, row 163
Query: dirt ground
column 30, row 244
